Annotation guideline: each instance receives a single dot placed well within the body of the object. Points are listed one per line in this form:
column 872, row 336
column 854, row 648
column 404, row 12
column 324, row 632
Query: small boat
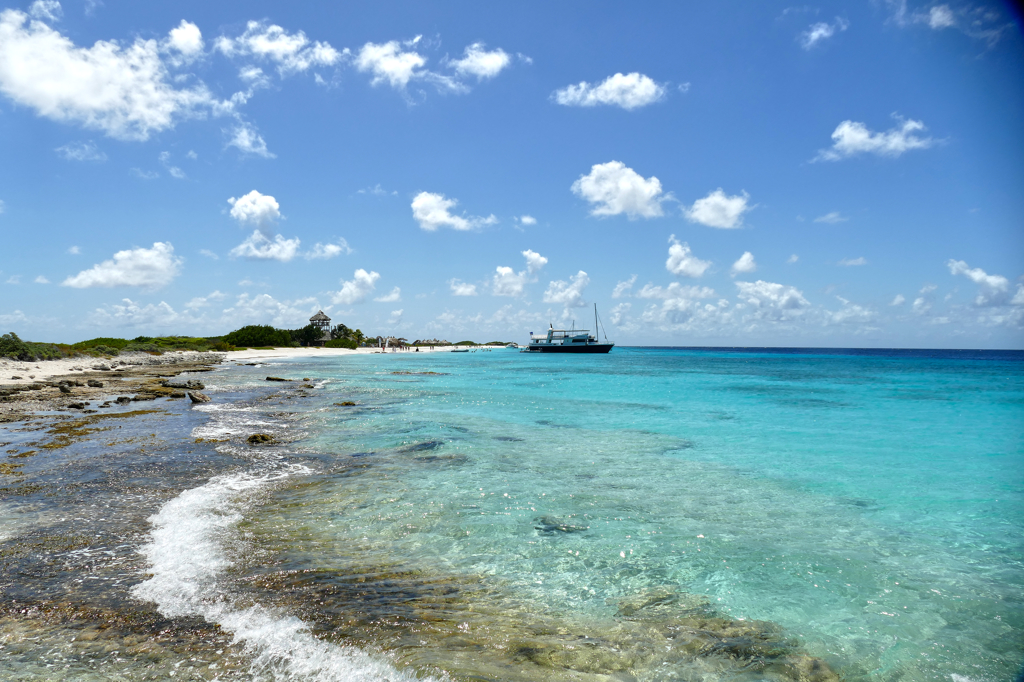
column 460, row 350
column 568, row 340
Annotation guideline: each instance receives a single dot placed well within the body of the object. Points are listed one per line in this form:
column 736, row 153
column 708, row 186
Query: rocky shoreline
column 94, row 384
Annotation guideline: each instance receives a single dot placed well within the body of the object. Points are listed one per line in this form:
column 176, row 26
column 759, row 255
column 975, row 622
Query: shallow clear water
column 493, row 515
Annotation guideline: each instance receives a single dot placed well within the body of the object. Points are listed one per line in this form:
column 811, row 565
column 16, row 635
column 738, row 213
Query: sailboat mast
column 597, row 338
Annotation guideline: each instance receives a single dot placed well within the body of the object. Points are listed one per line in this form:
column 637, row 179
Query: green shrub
column 342, row 343
column 151, row 348
column 259, row 335
column 104, row 350
column 222, row 346
column 91, row 344
column 13, row 347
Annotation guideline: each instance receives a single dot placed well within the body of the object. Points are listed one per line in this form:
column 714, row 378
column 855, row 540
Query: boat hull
column 567, row 348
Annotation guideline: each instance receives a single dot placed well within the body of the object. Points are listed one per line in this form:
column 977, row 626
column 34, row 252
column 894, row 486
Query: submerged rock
column 197, row 397
column 347, row 403
column 553, row 524
column 277, row 379
column 123, row 400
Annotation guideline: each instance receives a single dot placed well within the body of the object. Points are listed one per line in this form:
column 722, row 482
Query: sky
column 707, row 173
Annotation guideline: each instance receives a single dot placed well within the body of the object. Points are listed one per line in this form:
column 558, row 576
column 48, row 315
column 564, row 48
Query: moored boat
column 568, row 340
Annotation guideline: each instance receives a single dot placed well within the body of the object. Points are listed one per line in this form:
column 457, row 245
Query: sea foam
column 186, row 558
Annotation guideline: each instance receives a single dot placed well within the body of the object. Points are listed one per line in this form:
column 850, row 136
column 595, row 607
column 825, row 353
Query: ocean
column 650, row 514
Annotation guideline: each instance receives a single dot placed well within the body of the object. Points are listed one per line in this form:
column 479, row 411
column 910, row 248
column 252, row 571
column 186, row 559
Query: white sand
column 44, row 370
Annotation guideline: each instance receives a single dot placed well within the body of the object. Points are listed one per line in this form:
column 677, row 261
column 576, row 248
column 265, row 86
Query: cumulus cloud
column 851, row 138
column 682, row 262
column 41, row 280
column 850, row 313
column 623, row 288
column 831, row 218
column 258, row 246
column 568, row 294
column 175, row 172
column 534, row 261
column 679, row 304
column 395, row 317
column 614, row 189
column 719, row 210
column 821, row 31
column 126, row 92
column 432, row 211
column 81, row 151
column 186, row 39
column 898, row 300
column 848, row 262
column 291, row 52
column 792, row 259
column 247, row 140
column 325, row 251
column 462, row 288
column 146, row 268
column 390, row 64
column 356, row 289
column 629, row 91
column 745, row 263
column 507, row 282
column 992, row 289
column 477, row 61
column 256, row 209
column 205, row 301
column 771, row 301
column 390, row 297
column 527, row 220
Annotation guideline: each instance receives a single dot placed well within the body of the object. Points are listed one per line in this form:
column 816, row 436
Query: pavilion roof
column 319, row 317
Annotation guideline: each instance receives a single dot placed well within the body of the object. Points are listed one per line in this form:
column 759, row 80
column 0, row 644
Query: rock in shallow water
column 260, row 439
column 197, row 397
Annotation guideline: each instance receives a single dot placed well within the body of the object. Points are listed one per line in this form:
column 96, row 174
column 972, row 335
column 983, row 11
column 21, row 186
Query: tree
column 308, row 335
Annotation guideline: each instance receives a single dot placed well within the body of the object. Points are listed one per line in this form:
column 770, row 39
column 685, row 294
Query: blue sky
column 727, row 173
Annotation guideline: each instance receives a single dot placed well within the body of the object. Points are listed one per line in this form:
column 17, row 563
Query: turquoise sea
column 651, row 514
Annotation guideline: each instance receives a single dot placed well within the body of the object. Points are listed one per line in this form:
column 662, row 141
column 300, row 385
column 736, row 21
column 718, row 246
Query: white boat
column 568, row 340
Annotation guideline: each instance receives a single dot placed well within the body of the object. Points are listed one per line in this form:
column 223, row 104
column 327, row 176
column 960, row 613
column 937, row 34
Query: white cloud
column 209, row 254
column 481, row 63
column 831, row 218
column 822, row 31
column 616, row 189
column 356, row 289
column 81, row 151
column 619, row 313
column 147, row 268
column 792, row 259
column 192, row 155
column 432, row 211
column 74, row 250
column 376, row 190
column 851, row 138
column 847, row 262
column 245, row 138
column 850, row 313
column 993, row 289
column 940, row 17
column 395, row 317
column 627, row 91
column 527, row 220
column 205, row 301
column 14, row 279
column 144, row 174
column 258, row 246
column 719, row 210
column 682, row 262
column 771, row 301
column 745, row 263
column 254, row 208
column 391, row 297
column 568, row 294
column 534, row 261
column 679, row 304
column 623, row 288
column 2, row 206
column 462, row 288
column 123, row 92
column 175, row 172
column 46, row 10
column 325, row 251
column 507, row 282
column 1018, row 298
column 389, row 63
column 898, row 300
column 675, row 290
column 186, row 39
column 41, row 280
column 291, row 52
